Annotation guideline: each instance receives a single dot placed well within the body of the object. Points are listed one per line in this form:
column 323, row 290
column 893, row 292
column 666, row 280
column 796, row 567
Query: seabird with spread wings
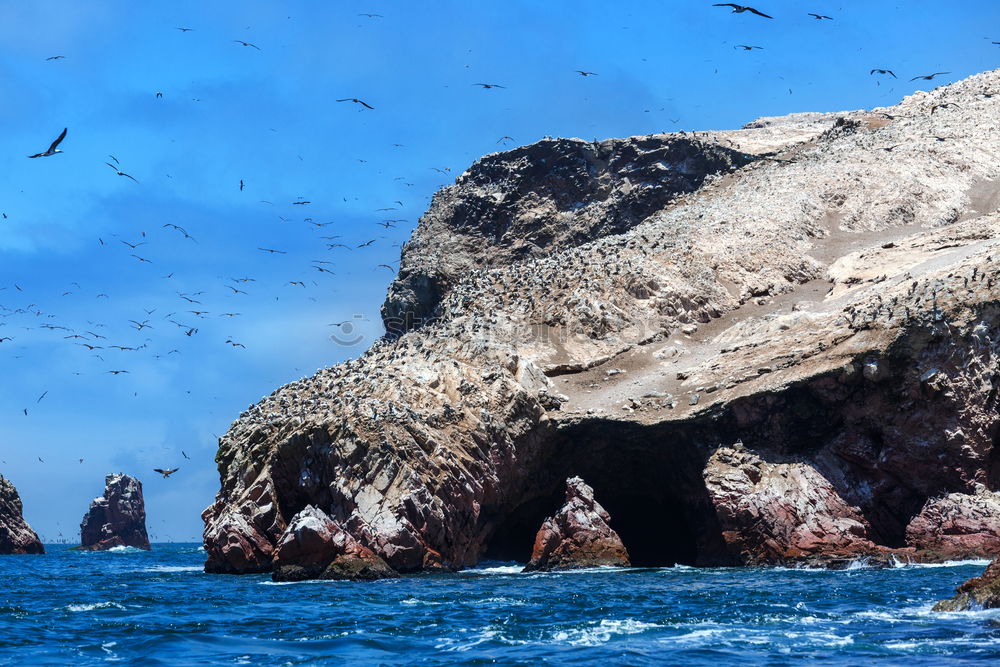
column 739, row 9
column 52, row 150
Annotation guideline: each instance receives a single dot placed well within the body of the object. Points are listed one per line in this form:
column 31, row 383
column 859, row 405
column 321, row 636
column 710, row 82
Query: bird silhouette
column 166, row 473
column 928, row 77
column 356, row 101
column 884, row 71
column 739, row 9
column 240, row 41
column 52, row 150
column 489, row 85
column 746, row 47
column 820, row 17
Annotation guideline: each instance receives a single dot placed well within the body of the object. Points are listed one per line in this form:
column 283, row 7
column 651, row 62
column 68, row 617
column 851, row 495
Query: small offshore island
column 771, row 346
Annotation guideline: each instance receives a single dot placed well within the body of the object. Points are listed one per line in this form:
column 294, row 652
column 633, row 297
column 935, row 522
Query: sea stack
column 116, row 519
column 578, row 535
column 16, row 536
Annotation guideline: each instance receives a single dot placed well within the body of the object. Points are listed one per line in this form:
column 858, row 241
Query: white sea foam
column 175, row 568
column 602, row 632
column 125, row 550
column 297, row 583
column 93, row 606
column 955, row 563
column 499, row 569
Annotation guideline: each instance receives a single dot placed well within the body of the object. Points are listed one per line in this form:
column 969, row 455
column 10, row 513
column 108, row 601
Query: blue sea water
column 159, row 608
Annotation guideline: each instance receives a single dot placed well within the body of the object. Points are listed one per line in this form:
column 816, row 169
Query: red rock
column 314, row 546
column 16, row 536
column 579, row 535
column 957, row 526
column 116, row 519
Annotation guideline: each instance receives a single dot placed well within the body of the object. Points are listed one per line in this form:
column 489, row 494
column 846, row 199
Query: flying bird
column 273, row 251
column 820, row 17
column 166, row 473
column 61, row 57
column 240, row 41
column 357, row 101
column 944, row 105
column 184, row 29
column 489, row 85
column 119, row 171
column 505, row 139
column 884, row 71
column 739, row 9
column 583, row 73
column 746, row 47
column 928, row 77
column 52, row 150
column 185, row 455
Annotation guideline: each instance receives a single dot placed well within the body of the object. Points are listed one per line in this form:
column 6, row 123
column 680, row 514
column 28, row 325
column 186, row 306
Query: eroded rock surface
column 795, row 359
column 315, row 547
column 16, row 536
column 117, row 518
column 979, row 593
column 578, row 535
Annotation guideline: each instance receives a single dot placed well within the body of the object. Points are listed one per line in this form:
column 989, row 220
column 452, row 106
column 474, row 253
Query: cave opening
column 650, row 482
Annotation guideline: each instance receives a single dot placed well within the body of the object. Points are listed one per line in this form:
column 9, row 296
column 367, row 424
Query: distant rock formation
column 315, row 547
column 16, row 536
column 979, row 593
column 771, row 345
column 578, row 535
column 116, row 519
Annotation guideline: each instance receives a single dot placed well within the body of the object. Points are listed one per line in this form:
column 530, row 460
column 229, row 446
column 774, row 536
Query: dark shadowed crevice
column 993, row 462
column 650, row 483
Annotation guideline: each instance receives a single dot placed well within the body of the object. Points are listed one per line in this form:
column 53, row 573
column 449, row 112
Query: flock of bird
column 191, row 309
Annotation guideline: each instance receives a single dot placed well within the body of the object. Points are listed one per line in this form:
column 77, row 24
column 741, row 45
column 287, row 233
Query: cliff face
column 116, row 519
column 16, row 536
column 795, row 358
column 540, row 199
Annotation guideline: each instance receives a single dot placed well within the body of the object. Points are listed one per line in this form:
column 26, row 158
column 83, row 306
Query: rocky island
column 16, row 536
column 117, row 518
column 774, row 345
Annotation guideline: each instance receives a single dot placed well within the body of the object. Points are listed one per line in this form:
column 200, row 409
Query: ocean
column 159, row 608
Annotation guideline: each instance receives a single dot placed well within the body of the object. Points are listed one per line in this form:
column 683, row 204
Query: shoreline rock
column 578, row 535
column 16, row 536
column 314, row 546
column 982, row 592
column 117, row 518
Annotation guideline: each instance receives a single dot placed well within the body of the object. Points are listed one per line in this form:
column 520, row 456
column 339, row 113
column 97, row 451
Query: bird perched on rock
column 739, row 9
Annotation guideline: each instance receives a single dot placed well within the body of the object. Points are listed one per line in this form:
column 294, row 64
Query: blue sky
column 268, row 116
